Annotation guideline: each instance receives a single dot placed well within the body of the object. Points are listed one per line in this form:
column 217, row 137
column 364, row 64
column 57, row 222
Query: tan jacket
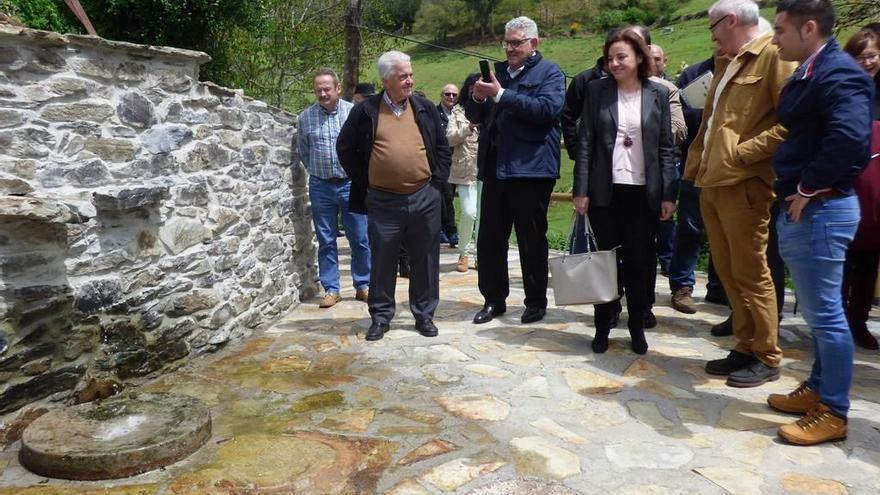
column 676, row 115
column 463, row 142
column 745, row 132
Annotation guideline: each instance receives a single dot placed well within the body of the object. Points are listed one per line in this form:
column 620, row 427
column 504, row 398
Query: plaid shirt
column 316, row 139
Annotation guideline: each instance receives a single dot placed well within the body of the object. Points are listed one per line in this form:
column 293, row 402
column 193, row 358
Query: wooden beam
column 80, row 14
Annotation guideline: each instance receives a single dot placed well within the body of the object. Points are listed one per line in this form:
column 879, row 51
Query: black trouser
column 774, row 259
column 447, row 212
column 629, row 223
column 414, row 220
column 859, row 282
column 520, row 204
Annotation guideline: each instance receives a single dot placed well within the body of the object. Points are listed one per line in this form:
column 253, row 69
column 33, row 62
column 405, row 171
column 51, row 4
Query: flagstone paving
column 308, row 407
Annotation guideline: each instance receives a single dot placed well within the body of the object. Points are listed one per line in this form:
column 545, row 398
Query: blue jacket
column 521, row 133
column 826, row 108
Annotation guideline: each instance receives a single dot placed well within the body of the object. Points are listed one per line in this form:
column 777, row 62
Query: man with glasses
column 518, row 158
column 448, row 230
column 730, row 161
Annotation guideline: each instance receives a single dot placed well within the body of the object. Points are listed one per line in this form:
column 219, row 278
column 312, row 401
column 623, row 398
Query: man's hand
column 581, row 204
column 796, row 204
column 482, row 90
column 667, row 208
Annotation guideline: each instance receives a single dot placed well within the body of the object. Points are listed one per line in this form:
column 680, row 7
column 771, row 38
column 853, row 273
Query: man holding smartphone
column 518, row 109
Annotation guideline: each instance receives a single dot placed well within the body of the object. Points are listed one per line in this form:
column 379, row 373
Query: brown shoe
column 462, row 265
column 683, row 300
column 362, row 295
column 817, row 426
column 330, row 300
column 801, row 401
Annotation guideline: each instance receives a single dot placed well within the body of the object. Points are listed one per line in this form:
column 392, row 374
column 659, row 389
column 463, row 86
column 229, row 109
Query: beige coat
column 745, row 132
column 463, row 142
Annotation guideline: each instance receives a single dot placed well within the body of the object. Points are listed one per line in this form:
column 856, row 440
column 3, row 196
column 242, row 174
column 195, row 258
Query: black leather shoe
column 377, row 331
column 531, row 315
column 488, row 312
column 753, row 375
column 716, row 297
column 724, row 328
column 650, row 320
column 426, row 328
column 733, row 362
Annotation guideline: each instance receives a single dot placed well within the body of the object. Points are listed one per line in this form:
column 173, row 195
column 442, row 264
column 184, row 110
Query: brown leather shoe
column 330, row 300
column 362, row 295
column 462, row 265
column 683, row 300
column 800, row 401
column 817, row 426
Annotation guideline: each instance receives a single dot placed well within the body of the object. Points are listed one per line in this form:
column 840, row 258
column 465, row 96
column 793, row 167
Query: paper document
column 694, row 94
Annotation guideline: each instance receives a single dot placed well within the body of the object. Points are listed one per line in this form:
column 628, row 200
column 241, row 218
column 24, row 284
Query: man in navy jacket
column 518, row 161
column 826, row 107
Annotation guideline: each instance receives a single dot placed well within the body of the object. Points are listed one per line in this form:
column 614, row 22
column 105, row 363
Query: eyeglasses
column 714, row 24
column 871, row 57
column 514, row 43
column 451, row 95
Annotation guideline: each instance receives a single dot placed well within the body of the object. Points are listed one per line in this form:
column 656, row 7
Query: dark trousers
column 859, row 281
column 629, row 223
column 774, row 260
column 447, row 211
column 404, row 219
column 665, row 242
column 520, row 204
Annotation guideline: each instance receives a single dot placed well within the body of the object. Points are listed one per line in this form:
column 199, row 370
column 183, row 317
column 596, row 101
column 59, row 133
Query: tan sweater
column 398, row 162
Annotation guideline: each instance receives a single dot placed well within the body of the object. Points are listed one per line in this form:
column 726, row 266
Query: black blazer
column 593, row 167
column 355, row 145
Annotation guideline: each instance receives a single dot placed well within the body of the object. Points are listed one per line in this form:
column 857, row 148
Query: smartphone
column 484, row 70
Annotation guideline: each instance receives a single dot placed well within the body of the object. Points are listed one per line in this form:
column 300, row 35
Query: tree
column 852, row 13
column 483, row 9
column 49, row 15
column 402, row 13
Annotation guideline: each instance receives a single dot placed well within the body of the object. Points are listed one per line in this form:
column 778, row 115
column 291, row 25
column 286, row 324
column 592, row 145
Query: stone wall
column 144, row 216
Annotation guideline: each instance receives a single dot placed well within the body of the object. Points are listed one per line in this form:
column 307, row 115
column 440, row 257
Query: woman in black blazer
column 624, row 175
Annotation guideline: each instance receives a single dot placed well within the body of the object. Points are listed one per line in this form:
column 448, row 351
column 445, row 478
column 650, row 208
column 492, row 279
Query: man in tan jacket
column 731, row 161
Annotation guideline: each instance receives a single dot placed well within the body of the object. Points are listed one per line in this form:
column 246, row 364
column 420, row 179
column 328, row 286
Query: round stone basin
column 115, row 438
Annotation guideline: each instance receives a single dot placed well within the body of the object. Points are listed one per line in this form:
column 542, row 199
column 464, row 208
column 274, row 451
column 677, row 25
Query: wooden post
column 80, row 14
column 350, row 73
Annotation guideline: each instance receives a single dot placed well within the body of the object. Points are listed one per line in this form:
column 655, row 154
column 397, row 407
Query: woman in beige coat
column 462, row 137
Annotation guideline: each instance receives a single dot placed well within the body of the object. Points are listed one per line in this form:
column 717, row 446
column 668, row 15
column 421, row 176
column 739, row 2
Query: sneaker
column 755, row 374
column 462, row 265
column 734, row 361
column 817, row 426
column 683, row 300
column 362, row 295
column 330, row 300
column 800, row 401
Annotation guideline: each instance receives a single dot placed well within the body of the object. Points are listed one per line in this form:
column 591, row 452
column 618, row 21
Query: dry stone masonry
column 144, row 216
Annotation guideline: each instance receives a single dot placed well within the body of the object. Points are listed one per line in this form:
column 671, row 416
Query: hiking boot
column 330, row 300
column 755, row 374
column 683, row 300
column 800, row 401
column 817, row 426
column 462, row 265
column 362, row 295
column 734, row 361
column 723, row 329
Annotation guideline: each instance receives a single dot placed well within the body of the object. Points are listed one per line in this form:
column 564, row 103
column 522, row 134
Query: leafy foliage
column 402, row 13
column 856, row 13
column 438, row 19
column 50, row 15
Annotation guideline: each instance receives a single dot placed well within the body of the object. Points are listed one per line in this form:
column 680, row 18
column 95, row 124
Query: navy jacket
column 521, row 132
column 355, row 145
column 692, row 116
column 574, row 105
column 828, row 116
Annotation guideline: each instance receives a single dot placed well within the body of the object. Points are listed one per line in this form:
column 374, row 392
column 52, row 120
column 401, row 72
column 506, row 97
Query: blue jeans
column 328, row 196
column 688, row 240
column 814, row 249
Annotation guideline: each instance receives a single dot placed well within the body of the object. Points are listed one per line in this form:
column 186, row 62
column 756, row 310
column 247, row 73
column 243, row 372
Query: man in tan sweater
column 394, row 149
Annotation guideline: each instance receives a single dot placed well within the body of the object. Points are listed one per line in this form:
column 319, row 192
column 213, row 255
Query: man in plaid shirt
column 329, row 188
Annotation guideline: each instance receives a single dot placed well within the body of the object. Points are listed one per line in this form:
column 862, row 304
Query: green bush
column 49, row 15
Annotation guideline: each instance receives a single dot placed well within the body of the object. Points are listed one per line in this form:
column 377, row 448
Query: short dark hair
column 626, row 35
column 326, row 72
column 365, row 89
column 820, row 11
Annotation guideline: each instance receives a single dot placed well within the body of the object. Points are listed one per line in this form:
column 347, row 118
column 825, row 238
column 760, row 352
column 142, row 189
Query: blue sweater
column 826, row 108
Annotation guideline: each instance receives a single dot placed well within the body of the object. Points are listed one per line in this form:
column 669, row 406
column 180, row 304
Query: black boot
column 600, row 341
column 639, row 345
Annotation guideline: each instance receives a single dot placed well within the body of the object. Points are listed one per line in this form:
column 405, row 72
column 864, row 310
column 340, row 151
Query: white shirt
column 628, row 162
column 513, row 73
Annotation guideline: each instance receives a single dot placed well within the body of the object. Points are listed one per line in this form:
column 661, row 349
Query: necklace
column 627, row 102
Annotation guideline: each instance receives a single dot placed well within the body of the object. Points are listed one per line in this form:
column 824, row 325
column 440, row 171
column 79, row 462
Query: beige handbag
column 585, row 278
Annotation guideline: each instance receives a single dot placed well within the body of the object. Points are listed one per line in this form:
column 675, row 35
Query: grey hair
column 764, row 25
column 388, row 60
column 527, row 26
column 746, row 11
